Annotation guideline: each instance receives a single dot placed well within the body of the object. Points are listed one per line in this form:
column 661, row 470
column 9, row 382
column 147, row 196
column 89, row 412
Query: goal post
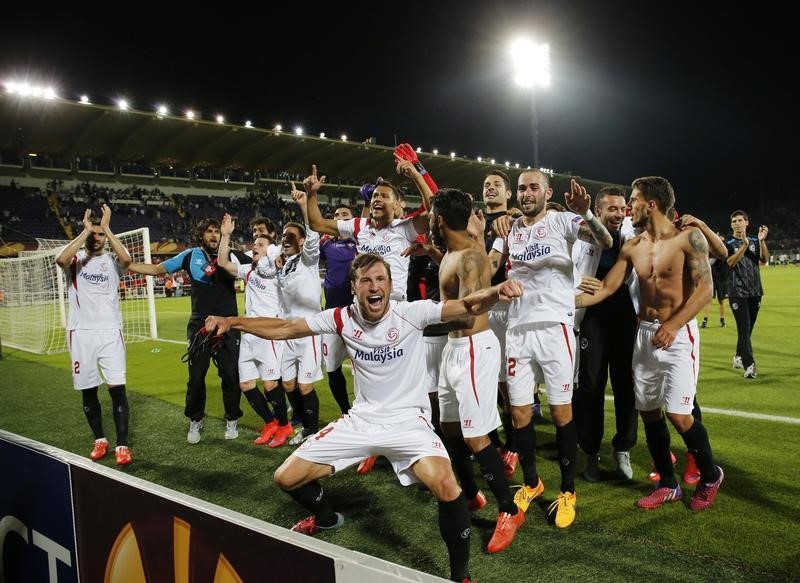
column 33, row 297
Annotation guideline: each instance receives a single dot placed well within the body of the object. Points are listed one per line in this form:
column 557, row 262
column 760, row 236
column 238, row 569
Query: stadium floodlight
column 508, row 164
column 344, row 137
column 452, row 155
column 531, row 70
column 419, row 149
column 322, row 134
column 492, row 161
column 278, row 127
column 162, row 110
column 435, row 151
column 123, row 104
column 85, row 99
column 25, row 89
column 516, row 164
column 220, row 118
column 480, row 159
column 190, row 114
column 248, row 124
column 298, row 131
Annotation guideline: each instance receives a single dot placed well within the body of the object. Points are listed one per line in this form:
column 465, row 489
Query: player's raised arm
column 315, row 219
column 226, row 228
column 123, row 257
column 593, row 231
column 67, row 253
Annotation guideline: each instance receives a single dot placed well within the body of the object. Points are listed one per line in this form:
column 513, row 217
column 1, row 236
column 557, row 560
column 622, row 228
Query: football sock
column 696, row 440
column 492, row 468
column 455, row 530
column 567, row 443
column 120, row 412
column 339, row 389
column 658, row 444
column 258, row 402
column 525, row 442
column 93, row 412
column 312, row 497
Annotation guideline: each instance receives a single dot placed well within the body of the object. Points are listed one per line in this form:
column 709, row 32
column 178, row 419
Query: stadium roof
column 68, row 129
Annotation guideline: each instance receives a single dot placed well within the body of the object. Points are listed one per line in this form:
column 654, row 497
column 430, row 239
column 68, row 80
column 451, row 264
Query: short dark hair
column 502, row 175
column 396, row 191
column 297, row 226
column 555, row 206
column 454, row 207
column 658, row 189
column 740, row 214
column 365, row 261
column 263, row 221
column 202, row 226
column 610, row 191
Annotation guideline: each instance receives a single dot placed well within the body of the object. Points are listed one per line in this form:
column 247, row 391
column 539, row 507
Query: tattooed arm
column 593, row 231
column 698, row 269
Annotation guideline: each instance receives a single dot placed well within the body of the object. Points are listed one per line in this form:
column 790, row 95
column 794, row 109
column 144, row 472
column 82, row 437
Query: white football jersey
column 388, row 242
column 299, row 286
column 261, row 291
column 388, row 356
column 94, row 292
column 541, row 258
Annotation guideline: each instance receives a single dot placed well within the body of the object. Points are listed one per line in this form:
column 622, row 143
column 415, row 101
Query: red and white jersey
column 541, row 258
column 299, row 286
column 388, row 242
column 388, row 356
column 94, row 292
column 261, row 290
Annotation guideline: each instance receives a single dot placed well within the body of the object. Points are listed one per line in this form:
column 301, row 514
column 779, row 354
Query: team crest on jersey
column 540, row 232
column 104, row 267
column 385, row 238
column 392, row 335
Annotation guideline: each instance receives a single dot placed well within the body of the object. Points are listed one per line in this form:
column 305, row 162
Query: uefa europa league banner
column 126, row 534
column 37, row 537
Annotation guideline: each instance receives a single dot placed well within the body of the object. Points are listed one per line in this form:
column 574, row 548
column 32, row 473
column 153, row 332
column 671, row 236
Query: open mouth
column 374, row 300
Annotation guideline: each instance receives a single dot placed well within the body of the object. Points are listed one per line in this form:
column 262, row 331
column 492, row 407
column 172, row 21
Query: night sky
column 700, row 95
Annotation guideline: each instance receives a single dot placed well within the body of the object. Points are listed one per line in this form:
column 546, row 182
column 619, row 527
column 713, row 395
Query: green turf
column 750, row 534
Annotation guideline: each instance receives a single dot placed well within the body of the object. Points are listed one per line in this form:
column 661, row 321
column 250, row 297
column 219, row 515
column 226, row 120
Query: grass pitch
column 750, row 534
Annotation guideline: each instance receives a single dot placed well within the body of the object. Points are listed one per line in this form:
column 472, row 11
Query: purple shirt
column 338, row 255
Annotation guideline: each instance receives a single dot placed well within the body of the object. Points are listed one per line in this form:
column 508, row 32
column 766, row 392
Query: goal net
column 34, row 304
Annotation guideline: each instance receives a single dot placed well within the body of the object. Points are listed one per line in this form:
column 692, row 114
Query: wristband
column 588, row 215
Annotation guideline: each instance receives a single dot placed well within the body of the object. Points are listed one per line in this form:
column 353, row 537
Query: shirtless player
column 674, row 284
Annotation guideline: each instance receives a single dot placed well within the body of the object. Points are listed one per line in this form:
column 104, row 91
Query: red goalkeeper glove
column 406, row 152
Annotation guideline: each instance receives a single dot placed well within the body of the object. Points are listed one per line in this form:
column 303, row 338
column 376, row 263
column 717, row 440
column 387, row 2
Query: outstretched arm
column 315, row 219
column 611, row 283
column 481, row 301
column 269, row 328
column 67, row 253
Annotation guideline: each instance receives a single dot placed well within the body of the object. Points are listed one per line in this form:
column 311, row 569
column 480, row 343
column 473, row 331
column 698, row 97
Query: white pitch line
column 745, row 414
